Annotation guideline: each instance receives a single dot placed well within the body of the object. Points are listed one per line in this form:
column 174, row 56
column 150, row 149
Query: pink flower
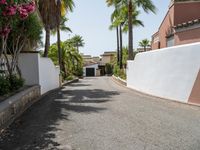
column 29, row 7
column 25, row 9
column 3, row 2
column 10, row 11
column 5, row 31
column 22, row 12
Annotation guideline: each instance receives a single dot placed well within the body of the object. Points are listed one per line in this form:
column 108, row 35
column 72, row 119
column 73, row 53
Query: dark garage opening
column 90, row 72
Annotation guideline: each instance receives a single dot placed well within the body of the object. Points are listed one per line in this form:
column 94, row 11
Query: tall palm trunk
column 58, row 35
column 77, row 48
column 121, row 47
column 59, row 49
column 47, row 41
column 117, row 32
column 130, row 29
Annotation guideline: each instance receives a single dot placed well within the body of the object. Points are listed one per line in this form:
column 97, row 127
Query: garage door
column 90, row 72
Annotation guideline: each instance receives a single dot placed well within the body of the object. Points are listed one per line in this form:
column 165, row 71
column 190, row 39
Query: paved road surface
column 98, row 114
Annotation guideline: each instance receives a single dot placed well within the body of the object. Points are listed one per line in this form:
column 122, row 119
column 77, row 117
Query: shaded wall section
column 195, row 94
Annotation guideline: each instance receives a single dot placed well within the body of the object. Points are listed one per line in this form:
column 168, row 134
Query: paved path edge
column 153, row 96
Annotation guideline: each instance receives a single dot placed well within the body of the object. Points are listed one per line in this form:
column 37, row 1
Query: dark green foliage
column 4, row 86
column 72, row 60
column 108, row 69
column 79, row 72
column 70, row 77
column 28, row 31
column 119, row 72
column 122, row 74
column 10, row 84
column 116, row 70
column 15, row 82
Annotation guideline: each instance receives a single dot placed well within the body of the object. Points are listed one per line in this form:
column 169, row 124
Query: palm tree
column 63, row 26
column 132, row 6
column 115, row 26
column 47, row 9
column 63, row 6
column 119, row 20
column 77, row 41
column 144, row 43
column 50, row 12
column 147, row 5
column 69, row 53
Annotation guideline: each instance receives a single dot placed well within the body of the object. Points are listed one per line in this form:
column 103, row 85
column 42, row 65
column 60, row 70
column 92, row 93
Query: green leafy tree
column 26, row 35
column 17, row 31
column 71, row 60
column 20, row 29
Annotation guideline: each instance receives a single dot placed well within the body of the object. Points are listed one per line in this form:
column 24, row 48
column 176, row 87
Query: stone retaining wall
column 15, row 105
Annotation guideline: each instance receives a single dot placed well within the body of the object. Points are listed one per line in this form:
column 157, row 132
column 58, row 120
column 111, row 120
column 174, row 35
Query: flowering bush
column 11, row 10
column 15, row 19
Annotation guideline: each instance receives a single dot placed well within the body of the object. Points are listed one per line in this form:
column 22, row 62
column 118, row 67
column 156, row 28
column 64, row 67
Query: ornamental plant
column 12, row 13
column 11, row 10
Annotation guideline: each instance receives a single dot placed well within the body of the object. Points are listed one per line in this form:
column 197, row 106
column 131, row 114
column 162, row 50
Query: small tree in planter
column 19, row 26
column 13, row 14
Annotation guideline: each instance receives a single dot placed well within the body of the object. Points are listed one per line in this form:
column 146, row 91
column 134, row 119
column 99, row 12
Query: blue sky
column 91, row 20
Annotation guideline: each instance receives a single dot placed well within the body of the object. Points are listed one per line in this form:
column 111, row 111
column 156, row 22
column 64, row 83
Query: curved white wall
column 37, row 70
column 169, row 73
column 48, row 75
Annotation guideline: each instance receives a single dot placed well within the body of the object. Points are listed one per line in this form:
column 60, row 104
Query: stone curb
column 119, row 80
column 69, row 82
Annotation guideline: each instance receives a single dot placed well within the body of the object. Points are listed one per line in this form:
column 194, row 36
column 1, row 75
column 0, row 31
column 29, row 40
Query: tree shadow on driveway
column 78, row 85
column 89, row 96
column 36, row 128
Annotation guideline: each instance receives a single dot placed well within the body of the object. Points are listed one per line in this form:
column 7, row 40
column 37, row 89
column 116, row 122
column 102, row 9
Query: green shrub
column 119, row 72
column 116, row 70
column 122, row 74
column 10, row 84
column 79, row 72
column 15, row 82
column 4, row 86
column 108, row 68
column 70, row 77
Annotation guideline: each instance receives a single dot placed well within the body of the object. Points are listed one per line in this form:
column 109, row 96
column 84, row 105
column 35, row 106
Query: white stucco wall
column 29, row 64
column 169, row 73
column 48, row 75
column 37, row 70
column 90, row 66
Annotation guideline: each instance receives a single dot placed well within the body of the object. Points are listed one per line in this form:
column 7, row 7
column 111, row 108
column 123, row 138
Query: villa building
column 95, row 66
column 181, row 25
column 108, row 57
